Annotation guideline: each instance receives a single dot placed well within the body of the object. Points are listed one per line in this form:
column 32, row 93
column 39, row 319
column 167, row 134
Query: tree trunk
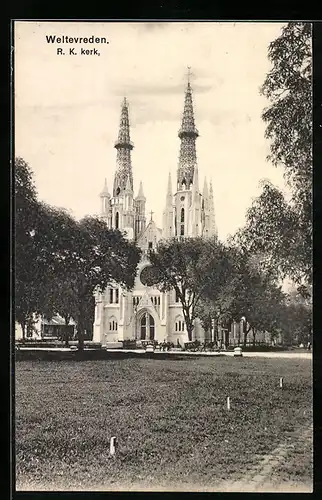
column 66, row 331
column 218, row 329
column 189, row 323
column 246, row 332
column 23, row 329
column 80, row 330
column 189, row 326
column 254, row 337
column 80, row 335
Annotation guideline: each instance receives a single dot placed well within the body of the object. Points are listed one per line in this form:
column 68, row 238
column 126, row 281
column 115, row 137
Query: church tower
column 187, row 135
column 188, row 213
column 119, row 210
column 123, row 146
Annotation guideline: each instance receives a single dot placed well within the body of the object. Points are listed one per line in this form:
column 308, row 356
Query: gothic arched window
column 147, row 327
column 113, row 325
column 118, row 191
column 179, row 326
column 152, row 328
column 117, row 220
column 182, row 222
column 143, row 327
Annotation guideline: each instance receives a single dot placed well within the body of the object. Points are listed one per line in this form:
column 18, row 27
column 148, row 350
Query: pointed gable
column 150, row 237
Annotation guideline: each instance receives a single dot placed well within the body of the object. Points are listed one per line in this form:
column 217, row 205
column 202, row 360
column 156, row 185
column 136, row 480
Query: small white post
column 228, row 403
column 281, row 382
column 112, row 445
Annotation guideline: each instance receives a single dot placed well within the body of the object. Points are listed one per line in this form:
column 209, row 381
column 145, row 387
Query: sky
column 67, row 110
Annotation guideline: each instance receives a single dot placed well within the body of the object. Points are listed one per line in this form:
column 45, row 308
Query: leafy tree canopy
column 60, row 262
column 190, row 267
column 289, row 117
column 277, row 229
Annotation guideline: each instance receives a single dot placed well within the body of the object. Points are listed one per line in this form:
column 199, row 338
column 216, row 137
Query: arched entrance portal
column 147, row 327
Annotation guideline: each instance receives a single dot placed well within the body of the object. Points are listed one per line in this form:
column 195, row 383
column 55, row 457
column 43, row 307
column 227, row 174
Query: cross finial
column 189, row 74
column 151, row 213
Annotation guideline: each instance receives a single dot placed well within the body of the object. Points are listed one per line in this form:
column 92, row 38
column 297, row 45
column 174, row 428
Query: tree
column 272, row 232
column 257, row 298
column 89, row 316
column 249, row 291
column 215, row 308
column 276, row 226
column 60, row 299
column 81, row 257
column 61, row 261
column 189, row 267
column 289, row 118
column 296, row 319
column 26, row 272
column 101, row 256
column 214, row 312
column 55, row 243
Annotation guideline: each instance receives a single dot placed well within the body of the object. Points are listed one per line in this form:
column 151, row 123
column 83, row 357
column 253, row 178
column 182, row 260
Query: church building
column 145, row 313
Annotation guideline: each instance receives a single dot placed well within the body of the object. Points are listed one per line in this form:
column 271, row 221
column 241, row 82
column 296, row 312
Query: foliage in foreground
column 60, row 262
column 281, row 230
column 190, row 267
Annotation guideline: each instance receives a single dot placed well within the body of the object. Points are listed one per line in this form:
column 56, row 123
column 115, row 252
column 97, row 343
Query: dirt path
column 276, row 471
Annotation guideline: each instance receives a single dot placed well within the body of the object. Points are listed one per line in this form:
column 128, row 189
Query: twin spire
column 187, row 170
column 188, row 134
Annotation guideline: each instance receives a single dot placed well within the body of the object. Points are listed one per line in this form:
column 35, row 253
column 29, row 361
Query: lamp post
column 135, row 309
column 243, row 320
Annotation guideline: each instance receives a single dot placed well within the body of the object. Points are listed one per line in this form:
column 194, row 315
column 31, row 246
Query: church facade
column 145, row 313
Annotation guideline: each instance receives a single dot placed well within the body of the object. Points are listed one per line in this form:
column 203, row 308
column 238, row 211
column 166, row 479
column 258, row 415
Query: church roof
column 154, row 227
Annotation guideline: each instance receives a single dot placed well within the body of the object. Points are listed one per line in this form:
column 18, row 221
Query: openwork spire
column 124, row 147
column 188, row 135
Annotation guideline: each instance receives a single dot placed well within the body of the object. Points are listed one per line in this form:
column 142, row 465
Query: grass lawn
column 170, row 418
